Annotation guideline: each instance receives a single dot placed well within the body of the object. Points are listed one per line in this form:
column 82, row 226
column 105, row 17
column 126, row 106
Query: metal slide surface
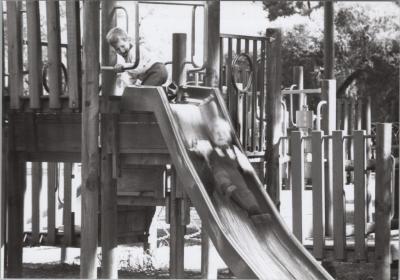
column 267, row 251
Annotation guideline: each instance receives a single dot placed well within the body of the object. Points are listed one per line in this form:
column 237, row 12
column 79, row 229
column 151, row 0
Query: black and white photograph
column 177, row 139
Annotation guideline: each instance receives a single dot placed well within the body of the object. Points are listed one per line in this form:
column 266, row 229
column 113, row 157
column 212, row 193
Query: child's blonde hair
column 116, row 34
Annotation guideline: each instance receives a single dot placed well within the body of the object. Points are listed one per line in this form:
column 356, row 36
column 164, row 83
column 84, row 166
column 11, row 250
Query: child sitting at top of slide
column 148, row 72
column 228, row 165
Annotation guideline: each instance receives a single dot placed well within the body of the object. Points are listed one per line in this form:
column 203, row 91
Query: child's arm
column 242, row 160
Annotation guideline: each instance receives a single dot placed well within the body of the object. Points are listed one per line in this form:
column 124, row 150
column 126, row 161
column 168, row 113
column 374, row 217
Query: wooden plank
column 383, row 200
column 254, row 98
column 2, row 150
column 262, row 96
column 329, row 42
column 297, row 183
column 110, row 160
column 360, row 194
column 328, row 113
column 52, row 185
column 14, row 28
column 36, row 189
column 274, row 111
column 68, row 225
column 359, row 111
column 231, row 98
column 54, row 53
column 339, row 107
column 90, row 134
column 339, row 234
column 74, row 53
column 177, row 232
column 34, row 54
column 221, row 62
column 318, row 195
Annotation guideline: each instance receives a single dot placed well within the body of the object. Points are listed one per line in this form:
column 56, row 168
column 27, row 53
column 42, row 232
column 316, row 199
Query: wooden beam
column 212, row 55
column 297, row 183
column 2, row 166
column 328, row 124
column 318, row 188
column 274, row 111
column 90, row 135
column 74, row 53
column 329, row 43
column 36, row 189
column 360, row 194
column 67, row 217
column 109, row 233
column 383, row 200
column 339, row 229
column 14, row 27
column 178, row 58
column 54, row 53
column 52, row 185
column 34, row 53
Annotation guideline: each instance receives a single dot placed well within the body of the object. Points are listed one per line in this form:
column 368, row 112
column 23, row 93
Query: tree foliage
column 366, row 43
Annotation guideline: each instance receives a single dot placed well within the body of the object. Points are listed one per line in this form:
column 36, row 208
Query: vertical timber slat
column 67, row 204
column 14, row 27
column 359, row 194
column 90, row 134
column 339, row 233
column 34, row 53
column 383, row 200
column 274, row 111
column 2, row 165
column 262, row 95
column 109, row 242
column 297, row 183
column 52, row 185
column 74, row 53
column 318, row 187
column 54, row 53
column 254, row 98
column 36, row 188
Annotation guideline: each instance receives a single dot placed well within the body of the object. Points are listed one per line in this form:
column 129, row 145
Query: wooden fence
column 28, row 83
column 359, row 167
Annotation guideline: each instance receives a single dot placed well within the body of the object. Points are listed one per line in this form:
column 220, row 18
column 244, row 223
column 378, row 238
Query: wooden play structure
column 68, row 114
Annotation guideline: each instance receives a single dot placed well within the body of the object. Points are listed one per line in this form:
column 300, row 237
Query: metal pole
column 329, row 46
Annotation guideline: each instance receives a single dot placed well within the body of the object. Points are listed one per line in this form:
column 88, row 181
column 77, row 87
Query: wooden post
column 109, row 233
column 274, row 111
column 329, row 43
column 36, row 189
column 318, row 189
column 211, row 50
column 34, row 53
column 14, row 28
column 177, row 231
column 52, row 185
column 383, row 200
column 298, row 79
column 328, row 88
column 74, row 53
column 360, row 195
column 67, row 217
column 178, row 58
column 54, row 53
column 297, row 156
column 2, row 166
column 16, row 187
column 339, row 229
column 90, row 134
column 211, row 79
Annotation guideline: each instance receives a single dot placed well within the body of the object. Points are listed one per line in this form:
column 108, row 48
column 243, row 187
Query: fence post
column 296, row 144
column 359, row 194
column 274, row 111
column 339, row 229
column 328, row 88
column 318, row 188
column 383, row 200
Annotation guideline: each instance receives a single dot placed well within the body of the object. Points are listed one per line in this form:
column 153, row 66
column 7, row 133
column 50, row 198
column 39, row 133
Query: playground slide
column 266, row 251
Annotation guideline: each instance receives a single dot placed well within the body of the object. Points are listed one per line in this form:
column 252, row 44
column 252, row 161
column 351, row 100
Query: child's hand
column 244, row 163
column 119, row 68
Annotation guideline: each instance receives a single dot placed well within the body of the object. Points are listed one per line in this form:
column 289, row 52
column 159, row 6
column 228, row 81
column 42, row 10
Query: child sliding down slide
column 228, row 165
